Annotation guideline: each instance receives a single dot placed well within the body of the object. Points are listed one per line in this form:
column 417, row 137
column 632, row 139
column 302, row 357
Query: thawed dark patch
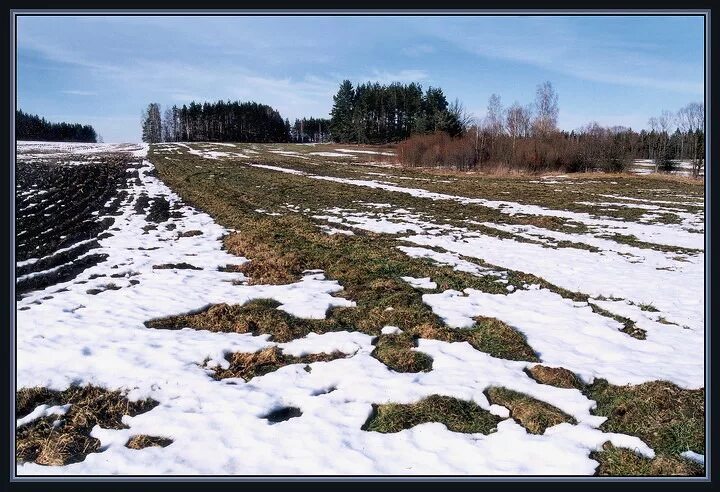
column 63, row 274
column 176, row 266
column 103, row 288
column 282, row 414
column 190, row 233
column 159, row 210
column 61, row 440
column 457, row 415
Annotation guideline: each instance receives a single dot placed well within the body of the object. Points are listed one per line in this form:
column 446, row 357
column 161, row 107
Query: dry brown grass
column 249, row 365
column 623, row 462
column 62, row 440
column 142, row 441
column 555, row 376
column 259, row 317
column 535, row 415
column 267, row 265
column 190, row 233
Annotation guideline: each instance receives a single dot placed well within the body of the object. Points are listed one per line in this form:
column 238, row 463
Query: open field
column 313, row 309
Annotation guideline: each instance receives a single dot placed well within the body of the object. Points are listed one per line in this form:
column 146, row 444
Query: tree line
column 214, row 122
column 310, row 130
column 33, row 127
column 372, row 113
column 526, row 137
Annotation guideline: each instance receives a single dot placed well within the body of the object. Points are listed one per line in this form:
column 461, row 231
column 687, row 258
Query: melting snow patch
column 420, row 283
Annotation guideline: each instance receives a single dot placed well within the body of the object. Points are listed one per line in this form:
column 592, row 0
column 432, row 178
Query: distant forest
column 32, row 127
column 433, row 132
column 369, row 113
column 214, row 122
column 376, row 114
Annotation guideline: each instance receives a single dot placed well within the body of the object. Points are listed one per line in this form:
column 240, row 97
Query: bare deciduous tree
column 495, row 115
column 546, row 108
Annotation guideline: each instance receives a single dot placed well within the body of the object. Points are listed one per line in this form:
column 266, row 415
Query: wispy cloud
column 556, row 48
column 73, row 92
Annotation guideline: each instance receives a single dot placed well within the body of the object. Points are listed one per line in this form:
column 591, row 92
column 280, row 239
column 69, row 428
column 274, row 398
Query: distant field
column 314, row 309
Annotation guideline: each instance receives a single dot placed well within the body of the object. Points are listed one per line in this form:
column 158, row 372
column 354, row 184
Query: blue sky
column 103, row 70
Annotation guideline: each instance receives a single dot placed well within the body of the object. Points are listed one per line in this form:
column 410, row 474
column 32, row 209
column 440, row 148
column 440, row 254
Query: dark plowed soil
column 68, row 204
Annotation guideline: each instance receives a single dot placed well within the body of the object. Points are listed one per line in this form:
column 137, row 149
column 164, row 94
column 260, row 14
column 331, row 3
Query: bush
column 596, row 149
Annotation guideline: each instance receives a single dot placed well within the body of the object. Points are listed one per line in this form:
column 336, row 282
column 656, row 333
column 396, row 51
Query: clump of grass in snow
column 624, row 462
column 142, row 441
column 668, row 418
column 395, row 351
column 457, row 415
column 629, row 326
column 499, row 339
column 249, row 365
column 191, row 233
column 534, row 415
column 648, row 307
column 60, row 441
column 555, row 376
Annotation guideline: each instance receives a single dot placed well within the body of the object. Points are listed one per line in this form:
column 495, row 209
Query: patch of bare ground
column 190, row 233
column 249, row 365
column 142, row 441
column 555, row 376
column 457, row 415
column 66, row 439
column 535, row 415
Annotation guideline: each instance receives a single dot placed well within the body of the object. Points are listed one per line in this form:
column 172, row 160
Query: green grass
column 457, row 415
column 668, row 418
column 620, row 462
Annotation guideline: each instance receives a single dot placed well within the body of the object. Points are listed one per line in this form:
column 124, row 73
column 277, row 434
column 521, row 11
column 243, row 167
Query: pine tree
column 341, row 127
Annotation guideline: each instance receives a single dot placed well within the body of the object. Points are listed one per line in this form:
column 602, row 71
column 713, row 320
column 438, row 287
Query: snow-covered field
column 217, row 426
